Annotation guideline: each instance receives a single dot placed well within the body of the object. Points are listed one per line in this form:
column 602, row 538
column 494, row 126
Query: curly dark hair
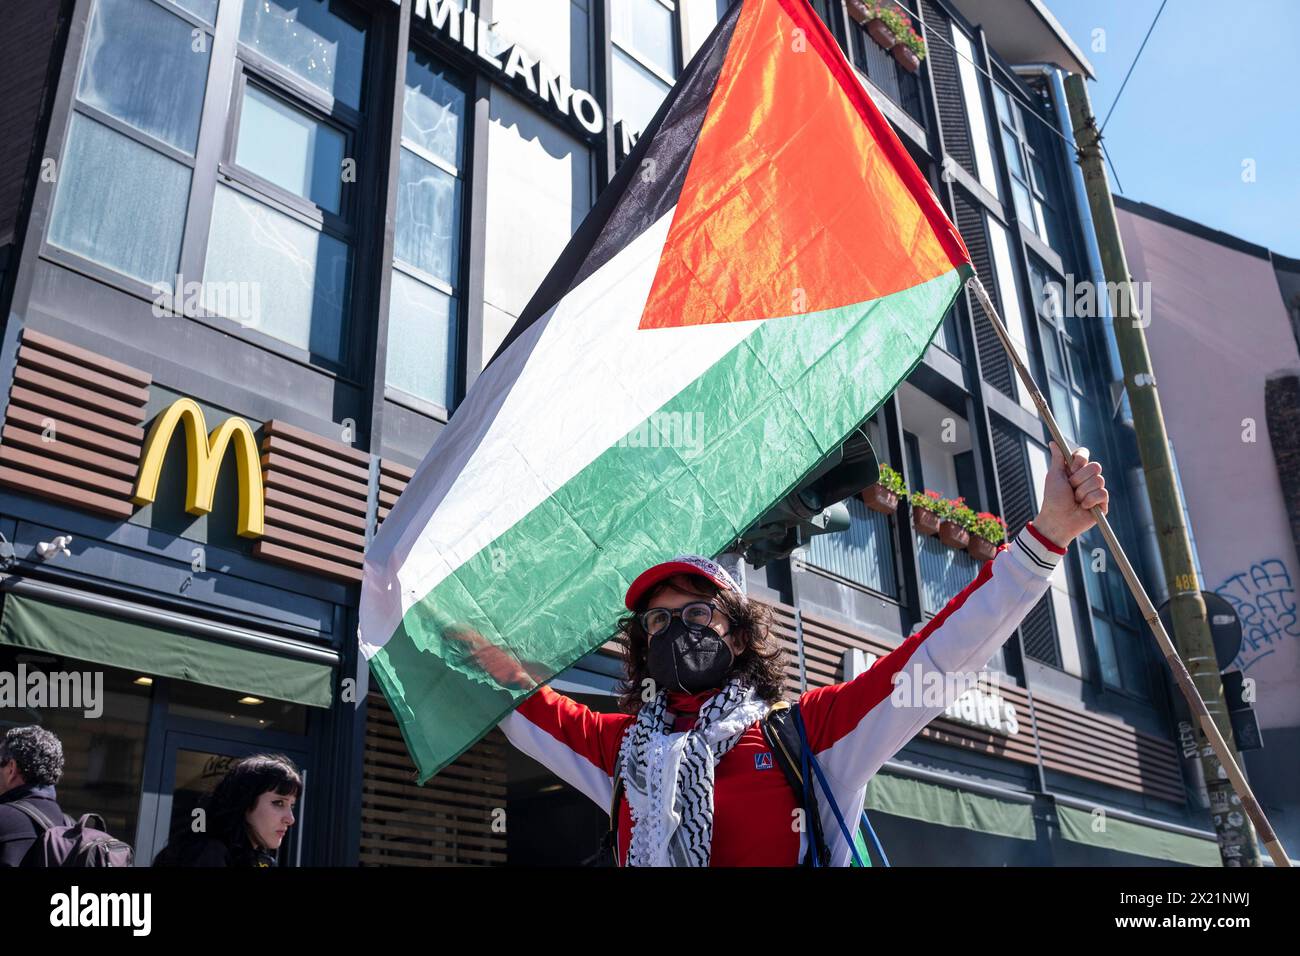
column 761, row 664
column 37, row 753
column 228, row 805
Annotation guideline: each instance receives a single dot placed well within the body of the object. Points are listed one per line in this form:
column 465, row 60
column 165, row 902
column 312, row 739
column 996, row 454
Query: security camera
column 51, row 549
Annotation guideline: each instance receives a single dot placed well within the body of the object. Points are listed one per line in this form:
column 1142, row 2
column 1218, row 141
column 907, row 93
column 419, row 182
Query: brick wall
column 27, row 42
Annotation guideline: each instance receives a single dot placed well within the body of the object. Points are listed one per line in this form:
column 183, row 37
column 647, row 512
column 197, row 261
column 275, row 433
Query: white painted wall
column 698, row 18
column 539, row 188
column 940, row 434
column 1218, row 329
column 554, row 31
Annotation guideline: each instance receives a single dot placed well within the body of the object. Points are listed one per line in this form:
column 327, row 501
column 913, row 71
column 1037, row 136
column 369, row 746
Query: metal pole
column 1181, row 676
column 796, row 566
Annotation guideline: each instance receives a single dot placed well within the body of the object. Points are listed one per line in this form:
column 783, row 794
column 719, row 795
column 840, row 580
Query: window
column 1114, row 623
column 426, row 249
column 1062, row 356
column 1004, row 272
column 644, row 57
column 282, row 233
column 1029, row 154
column 864, row 552
column 882, row 69
column 104, row 755
column 318, row 42
column 129, row 153
column 948, row 337
column 973, row 94
column 281, row 217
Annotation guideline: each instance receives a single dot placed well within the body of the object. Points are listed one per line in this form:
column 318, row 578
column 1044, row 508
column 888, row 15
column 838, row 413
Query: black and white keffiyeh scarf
column 668, row 777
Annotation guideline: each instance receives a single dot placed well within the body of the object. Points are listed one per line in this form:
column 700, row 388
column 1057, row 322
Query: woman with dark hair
column 245, row 818
column 700, row 782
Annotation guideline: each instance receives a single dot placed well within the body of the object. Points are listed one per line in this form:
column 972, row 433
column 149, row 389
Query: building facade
column 1243, row 435
column 302, row 227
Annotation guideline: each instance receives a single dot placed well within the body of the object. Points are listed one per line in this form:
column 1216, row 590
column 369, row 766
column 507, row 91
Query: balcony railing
column 882, row 69
column 864, row 554
column 944, row 572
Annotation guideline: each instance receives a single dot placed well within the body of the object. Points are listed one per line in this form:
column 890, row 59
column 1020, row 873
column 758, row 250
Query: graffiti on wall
column 1265, row 600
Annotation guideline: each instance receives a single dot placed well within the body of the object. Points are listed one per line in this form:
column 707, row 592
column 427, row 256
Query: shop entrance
column 200, row 733
column 191, row 766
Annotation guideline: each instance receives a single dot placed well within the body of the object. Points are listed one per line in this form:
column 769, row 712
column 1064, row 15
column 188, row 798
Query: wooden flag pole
column 1149, row 612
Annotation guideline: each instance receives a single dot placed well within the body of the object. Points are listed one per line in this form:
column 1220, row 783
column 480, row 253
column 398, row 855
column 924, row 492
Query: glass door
column 192, row 765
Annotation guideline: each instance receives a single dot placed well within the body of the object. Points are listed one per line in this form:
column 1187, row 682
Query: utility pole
column 1236, row 835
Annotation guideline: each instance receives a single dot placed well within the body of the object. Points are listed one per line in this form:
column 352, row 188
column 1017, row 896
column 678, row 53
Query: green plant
column 894, row 18
column 891, row 480
column 899, row 23
column 962, row 513
column 989, row 527
column 931, row 501
column 910, row 39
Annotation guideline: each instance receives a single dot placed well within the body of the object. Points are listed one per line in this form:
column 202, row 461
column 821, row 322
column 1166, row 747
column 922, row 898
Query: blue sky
column 1218, row 84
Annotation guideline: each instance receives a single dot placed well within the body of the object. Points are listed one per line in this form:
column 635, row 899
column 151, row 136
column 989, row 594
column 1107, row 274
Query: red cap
column 694, row 564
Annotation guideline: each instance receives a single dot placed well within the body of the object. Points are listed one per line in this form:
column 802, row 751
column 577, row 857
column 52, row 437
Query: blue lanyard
column 807, row 759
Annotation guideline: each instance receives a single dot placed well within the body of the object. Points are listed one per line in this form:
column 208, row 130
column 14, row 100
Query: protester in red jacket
column 702, row 786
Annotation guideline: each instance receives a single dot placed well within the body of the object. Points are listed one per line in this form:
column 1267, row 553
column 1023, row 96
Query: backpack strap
column 89, row 821
column 783, row 737
column 40, row 819
column 811, row 760
column 609, row 841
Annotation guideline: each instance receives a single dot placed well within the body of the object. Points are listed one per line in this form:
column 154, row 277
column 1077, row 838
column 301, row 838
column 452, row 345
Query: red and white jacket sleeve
column 577, row 744
column 854, row 727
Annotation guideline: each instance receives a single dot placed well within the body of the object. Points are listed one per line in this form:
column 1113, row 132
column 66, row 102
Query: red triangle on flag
column 799, row 196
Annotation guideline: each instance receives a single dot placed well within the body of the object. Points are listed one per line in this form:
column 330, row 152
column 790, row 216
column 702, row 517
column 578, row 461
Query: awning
column 99, row 639
column 949, row 806
column 1125, row 836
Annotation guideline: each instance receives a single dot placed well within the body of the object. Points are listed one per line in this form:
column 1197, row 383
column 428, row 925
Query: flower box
column 879, row 31
column 981, row 549
column 954, row 535
column 879, row 498
column 859, row 11
column 925, row 520
column 905, row 58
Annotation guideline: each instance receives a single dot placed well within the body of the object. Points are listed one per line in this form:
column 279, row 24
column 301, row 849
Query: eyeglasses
column 697, row 615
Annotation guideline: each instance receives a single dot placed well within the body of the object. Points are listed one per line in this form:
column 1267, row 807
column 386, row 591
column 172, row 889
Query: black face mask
column 687, row 660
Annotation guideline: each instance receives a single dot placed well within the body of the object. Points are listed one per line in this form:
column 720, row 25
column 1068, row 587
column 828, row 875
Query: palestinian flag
column 763, row 271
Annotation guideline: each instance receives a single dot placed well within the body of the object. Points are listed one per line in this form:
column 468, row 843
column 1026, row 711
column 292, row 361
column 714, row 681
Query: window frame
column 229, row 61
column 1040, row 205
column 76, row 260
column 455, row 291
column 674, row 8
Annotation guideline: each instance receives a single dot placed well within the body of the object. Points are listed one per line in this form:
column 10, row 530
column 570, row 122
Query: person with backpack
column 31, row 764
column 244, row 820
column 34, row 830
column 708, row 766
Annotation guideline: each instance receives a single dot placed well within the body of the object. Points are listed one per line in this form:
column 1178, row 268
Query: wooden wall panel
column 74, row 428
column 1073, row 740
column 446, row 822
column 317, row 494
